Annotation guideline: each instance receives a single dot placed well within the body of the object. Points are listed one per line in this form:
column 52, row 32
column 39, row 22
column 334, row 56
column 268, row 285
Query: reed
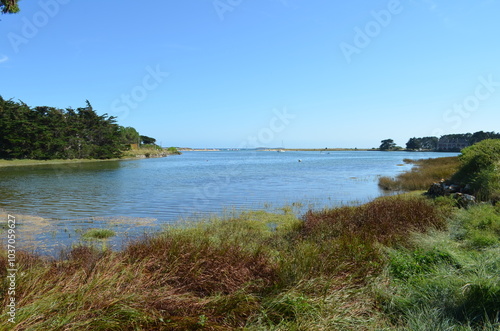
column 422, row 175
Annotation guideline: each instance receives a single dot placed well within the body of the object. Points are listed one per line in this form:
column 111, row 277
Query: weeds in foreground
column 263, row 271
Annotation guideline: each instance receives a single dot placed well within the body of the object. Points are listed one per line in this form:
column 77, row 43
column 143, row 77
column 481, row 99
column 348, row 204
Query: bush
column 480, row 169
column 480, row 156
column 486, row 185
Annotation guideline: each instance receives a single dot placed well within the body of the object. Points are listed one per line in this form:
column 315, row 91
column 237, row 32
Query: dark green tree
column 429, row 143
column 387, row 145
column 148, row 140
column 129, row 135
column 51, row 133
column 481, row 135
column 414, row 144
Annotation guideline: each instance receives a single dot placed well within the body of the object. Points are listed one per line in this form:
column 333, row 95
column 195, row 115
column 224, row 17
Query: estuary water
column 135, row 196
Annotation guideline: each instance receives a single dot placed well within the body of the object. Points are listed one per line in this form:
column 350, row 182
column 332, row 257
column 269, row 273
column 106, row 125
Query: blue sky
column 234, row 73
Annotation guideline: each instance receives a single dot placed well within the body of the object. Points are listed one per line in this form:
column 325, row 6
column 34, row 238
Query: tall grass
column 446, row 279
column 263, row 271
column 422, row 175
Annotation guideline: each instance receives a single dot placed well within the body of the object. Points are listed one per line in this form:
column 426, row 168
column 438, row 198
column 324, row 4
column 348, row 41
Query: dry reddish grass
column 387, row 221
column 201, row 267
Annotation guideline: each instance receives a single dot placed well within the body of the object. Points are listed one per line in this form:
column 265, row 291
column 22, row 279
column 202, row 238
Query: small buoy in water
column 300, row 160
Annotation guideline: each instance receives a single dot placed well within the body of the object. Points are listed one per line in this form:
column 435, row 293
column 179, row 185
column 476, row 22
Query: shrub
column 480, row 169
column 477, row 157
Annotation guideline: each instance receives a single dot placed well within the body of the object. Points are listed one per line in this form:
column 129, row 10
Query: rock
column 442, row 189
column 454, row 188
column 464, row 200
column 436, row 190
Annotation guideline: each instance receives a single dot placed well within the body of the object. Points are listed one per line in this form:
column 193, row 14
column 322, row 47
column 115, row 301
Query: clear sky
column 232, row 73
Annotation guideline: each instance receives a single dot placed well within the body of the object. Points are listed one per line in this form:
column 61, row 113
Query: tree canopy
column 52, row 133
column 387, row 145
column 148, row 140
column 9, row 6
column 429, row 143
column 460, row 139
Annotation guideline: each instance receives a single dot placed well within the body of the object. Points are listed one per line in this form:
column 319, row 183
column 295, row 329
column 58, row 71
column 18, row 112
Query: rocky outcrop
column 458, row 192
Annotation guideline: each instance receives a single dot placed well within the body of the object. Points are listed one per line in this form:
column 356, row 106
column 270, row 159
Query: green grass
column 422, row 175
column 448, row 279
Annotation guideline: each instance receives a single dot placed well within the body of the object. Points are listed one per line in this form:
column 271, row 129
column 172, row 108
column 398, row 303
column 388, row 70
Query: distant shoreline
column 302, row 150
column 21, row 163
column 317, row 149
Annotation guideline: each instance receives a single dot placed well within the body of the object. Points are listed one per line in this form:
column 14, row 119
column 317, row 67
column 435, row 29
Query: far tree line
column 448, row 143
column 44, row 133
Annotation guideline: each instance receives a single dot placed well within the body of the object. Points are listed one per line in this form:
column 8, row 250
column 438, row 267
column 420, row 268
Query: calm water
column 130, row 196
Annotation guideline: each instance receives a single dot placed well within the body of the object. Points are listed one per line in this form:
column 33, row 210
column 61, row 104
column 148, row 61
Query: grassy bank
column 351, row 268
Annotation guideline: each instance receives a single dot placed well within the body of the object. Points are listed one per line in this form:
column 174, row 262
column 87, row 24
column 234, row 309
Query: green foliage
column 480, row 156
column 9, row 6
column 129, row 135
column 387, row 145
column 480, row 167
column 173, row 150
column 457, row 141
column 51, row 133
column 487, row 184
column 147, row 140
column 429, row 143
